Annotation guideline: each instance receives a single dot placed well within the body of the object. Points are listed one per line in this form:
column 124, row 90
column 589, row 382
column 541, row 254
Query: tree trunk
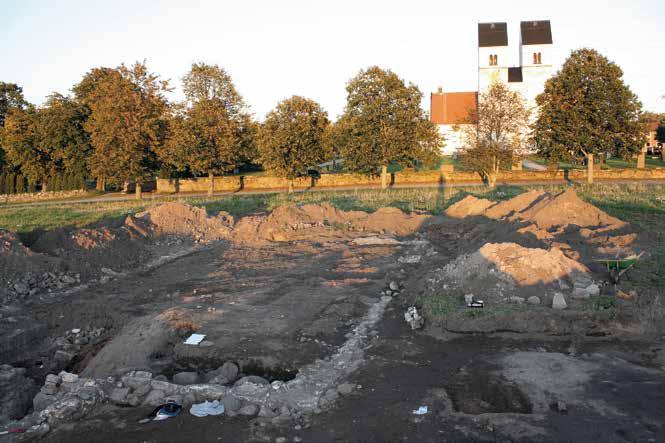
column 642, row 159
column 589, row 161
column 44, row 188
column 211, row 183
column 384, row 177
column 290, row 186
column 139, row 194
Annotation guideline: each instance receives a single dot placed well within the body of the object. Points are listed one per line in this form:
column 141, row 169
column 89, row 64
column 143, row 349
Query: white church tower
column 493, row 54
column 535, row 58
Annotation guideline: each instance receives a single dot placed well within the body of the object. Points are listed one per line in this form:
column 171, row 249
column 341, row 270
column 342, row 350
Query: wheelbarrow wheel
column 614, row 275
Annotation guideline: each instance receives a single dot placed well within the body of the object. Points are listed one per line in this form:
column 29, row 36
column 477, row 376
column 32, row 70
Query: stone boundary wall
column 258, row 182
column 41, row 196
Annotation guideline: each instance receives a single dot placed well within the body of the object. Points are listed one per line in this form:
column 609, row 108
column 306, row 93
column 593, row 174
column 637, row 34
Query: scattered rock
column 63, row 357
column 119, row 396
column 410, row 259
column 413, row 318
column 252, row 379
column 249, row 410
column 186, row 378
column 229, row 371
column 559, row 301
column 394, row 286
column 533, row 300
column 561, row 407
column 68, row 377
column 517, row 300
column 375, row 241
column 267, row 412
column 231, row 403
column 346, row 388
column 154, row 398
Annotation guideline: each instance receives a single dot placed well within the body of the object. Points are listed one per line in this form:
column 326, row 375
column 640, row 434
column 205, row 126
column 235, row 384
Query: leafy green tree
column 23, row 151
column 11, row 97
column 60, row 132
column 586, row 109
column 383, row 123
column 126, row 122
column 499, row 134
column 212, row 132
column 291, row 139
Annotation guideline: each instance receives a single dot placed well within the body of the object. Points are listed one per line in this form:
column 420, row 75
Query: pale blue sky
column 274, row 49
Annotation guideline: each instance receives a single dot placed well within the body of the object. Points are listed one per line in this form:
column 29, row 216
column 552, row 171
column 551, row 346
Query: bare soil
column 278, row 292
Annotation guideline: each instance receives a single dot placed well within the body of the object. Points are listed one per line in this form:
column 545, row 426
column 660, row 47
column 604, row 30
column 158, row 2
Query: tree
column 586, row 109
column 23, row 151
column 212, row 132
column 498, row 134
column 383, row 124
column 291, row 139
column 61, row 133
column 126, row 123
column 11, row 97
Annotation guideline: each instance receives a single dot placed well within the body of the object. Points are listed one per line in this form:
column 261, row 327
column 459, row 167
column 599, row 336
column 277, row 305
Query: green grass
column 440, row 306
column 616, row 163
column 612, row 163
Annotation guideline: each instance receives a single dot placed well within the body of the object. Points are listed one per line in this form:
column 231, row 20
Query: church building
column 450, row 109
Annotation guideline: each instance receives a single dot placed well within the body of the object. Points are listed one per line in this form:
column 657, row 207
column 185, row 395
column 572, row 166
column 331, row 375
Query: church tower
column 492, row 54
column 535, row 57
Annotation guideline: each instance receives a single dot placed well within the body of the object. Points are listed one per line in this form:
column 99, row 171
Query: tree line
column 117, row 126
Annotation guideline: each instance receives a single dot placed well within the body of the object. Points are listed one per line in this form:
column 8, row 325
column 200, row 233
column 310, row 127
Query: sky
column 276, row 49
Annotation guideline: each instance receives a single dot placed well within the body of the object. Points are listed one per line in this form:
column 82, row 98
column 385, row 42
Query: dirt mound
column 515, row 205
column 87, row 250
column 468, row 206
column 565, row 209
column 530, row 266
column 182, row 219
column 508, row 269
column 291, row 222
column 544, row 210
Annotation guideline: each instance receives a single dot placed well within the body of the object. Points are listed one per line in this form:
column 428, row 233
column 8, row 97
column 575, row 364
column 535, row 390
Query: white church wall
column 454, row 138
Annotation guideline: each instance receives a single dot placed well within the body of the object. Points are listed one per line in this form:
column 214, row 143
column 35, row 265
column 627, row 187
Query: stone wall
column 259, row 182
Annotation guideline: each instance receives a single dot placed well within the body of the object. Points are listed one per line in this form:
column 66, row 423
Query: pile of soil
column 183, row 220
column 87, row 250
column 468, row 206
column 534, row 218
column 508, row 269
column 545, row 211
column 288, row 223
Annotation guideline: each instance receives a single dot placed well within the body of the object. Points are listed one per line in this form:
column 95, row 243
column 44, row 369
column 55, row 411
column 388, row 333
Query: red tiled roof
column 451, row 108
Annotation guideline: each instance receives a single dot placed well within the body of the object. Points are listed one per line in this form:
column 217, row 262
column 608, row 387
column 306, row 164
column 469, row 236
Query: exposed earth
column 303, row 312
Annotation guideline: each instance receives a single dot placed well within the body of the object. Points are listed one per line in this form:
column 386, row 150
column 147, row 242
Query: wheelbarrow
column 619, row 266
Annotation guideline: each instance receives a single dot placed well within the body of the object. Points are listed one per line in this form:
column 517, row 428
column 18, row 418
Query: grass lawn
column 617, row 163
column 613, row 163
